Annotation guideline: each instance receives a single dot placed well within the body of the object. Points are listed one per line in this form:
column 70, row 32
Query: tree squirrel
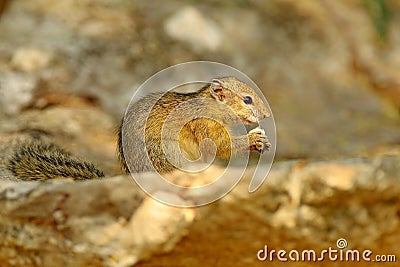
column 35, row 161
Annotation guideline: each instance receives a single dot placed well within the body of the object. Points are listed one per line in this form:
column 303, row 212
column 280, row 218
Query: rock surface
column 108, row 223
column 302, row 205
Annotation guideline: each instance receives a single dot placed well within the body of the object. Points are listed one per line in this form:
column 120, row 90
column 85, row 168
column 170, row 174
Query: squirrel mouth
column 251, row 120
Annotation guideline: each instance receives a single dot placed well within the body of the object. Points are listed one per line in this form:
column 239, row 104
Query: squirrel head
column 240, row 97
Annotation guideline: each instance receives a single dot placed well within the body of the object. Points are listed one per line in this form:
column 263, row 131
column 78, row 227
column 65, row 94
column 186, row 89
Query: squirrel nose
column 266, row 114
column 263, row 116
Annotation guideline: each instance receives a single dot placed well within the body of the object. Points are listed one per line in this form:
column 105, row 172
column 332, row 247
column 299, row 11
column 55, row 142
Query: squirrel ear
column 217, row 90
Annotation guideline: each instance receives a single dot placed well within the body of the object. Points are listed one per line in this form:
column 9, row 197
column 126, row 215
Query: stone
column 30, row 59
column 364, row 210
column 93, row 231
column 16, row 92
column 190, row 26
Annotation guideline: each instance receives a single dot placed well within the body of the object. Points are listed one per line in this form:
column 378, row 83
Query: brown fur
column 229, row 91
column 39, row 162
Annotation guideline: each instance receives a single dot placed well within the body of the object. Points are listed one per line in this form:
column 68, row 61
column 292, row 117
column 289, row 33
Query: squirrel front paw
column 258, row 140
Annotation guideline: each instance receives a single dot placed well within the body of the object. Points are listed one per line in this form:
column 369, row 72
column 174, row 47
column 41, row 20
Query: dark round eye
column 248, row 100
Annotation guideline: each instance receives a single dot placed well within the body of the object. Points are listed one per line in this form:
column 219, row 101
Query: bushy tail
column 39, row 162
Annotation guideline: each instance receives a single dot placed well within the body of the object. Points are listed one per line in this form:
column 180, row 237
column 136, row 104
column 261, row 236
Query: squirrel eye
column 248, row 100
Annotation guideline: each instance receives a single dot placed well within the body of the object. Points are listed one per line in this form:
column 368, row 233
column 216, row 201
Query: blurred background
column 329, row 69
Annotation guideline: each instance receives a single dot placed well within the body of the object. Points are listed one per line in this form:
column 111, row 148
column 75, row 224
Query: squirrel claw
column 258, row 140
